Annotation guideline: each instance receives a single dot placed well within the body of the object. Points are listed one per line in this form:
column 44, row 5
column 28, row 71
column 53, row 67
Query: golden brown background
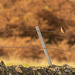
column 19, row 15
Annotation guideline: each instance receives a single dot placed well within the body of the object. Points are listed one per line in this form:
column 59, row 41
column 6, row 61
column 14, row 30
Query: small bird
column 62, row 30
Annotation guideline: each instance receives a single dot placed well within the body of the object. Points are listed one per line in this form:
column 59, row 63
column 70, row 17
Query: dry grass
column 31, row 52
column 28, row 63
column 28, row 14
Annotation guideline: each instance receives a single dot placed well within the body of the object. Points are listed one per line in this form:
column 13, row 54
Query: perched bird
column 62, row 30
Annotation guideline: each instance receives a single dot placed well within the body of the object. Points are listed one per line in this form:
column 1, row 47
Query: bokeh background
column 16, row 16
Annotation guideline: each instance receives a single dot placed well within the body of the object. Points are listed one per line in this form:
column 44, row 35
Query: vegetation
column 19, row 15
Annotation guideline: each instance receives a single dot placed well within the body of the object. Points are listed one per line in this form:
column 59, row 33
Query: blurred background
column 19, row 42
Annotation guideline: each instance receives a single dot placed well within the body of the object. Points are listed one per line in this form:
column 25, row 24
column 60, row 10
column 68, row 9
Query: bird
column 62, row 30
